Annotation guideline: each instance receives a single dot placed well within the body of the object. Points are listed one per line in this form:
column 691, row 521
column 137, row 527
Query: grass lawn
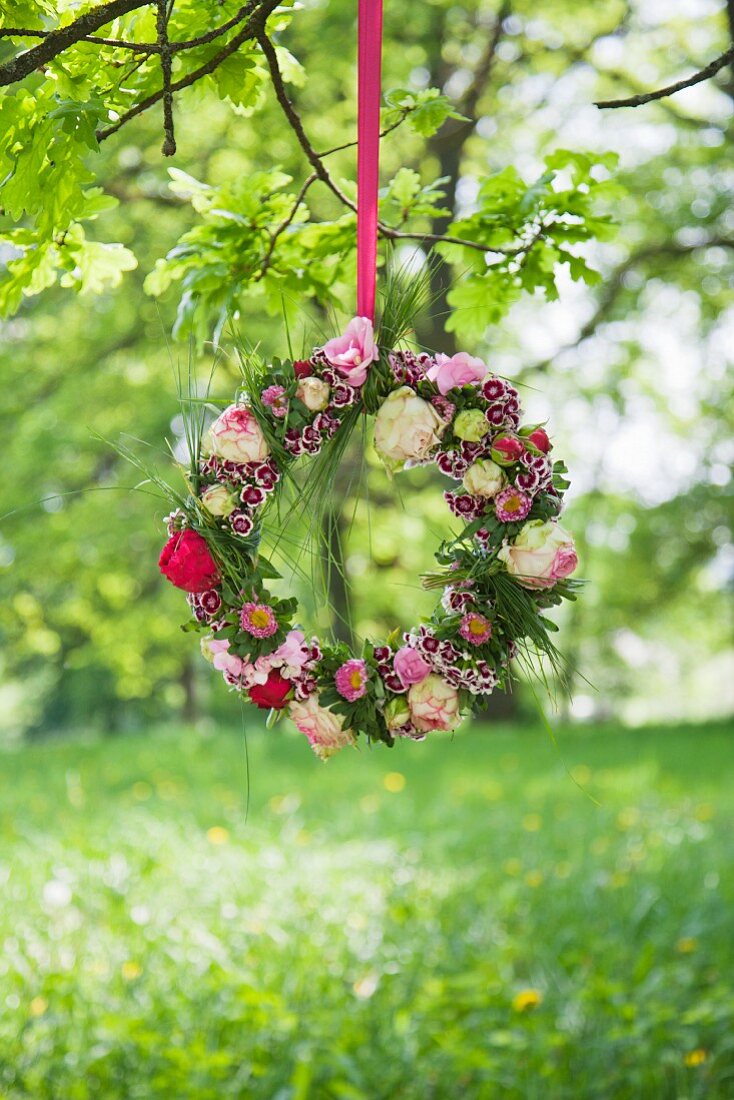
column 443, row 920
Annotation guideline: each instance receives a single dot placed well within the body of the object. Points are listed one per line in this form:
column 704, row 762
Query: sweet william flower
column 410, row 666
column 407, row 428
column 236, row 435
column 471, row 426
column 314, row 393
column 484, row 478
column 434, row 705
column 323, row 727
column 354, row 352
column 461, row 369
column 218, row 500
column 186, row 562
column 542, row 554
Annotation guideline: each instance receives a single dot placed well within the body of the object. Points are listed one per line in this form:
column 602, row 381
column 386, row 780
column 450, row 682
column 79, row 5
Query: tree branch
column 257, row 11
column 671, row 89
column 175, row 46
column 57, row 41
column 283, row 226
column 163, row 13
column 295, row 121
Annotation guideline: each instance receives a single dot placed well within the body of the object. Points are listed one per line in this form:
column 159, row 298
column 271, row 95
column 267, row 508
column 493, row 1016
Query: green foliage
column 426, row 110
column 381, row 925
column 536, row 229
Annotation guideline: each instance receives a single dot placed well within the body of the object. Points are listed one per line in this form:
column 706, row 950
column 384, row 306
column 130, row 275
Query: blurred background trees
column 630, row 367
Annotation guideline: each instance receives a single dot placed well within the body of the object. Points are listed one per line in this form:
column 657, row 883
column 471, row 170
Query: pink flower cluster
column 295, row 660
column 423, row 653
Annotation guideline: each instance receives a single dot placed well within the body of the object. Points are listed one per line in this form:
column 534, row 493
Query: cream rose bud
column 397, row 712
column 406, row 428
column 542, row 554
column 314, row 393
column 471, row 426
column 484, row 478
column 236, row 436
column 218, row 501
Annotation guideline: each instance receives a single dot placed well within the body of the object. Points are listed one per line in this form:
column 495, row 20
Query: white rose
column 542, row 554
column 484, row 478
column 314, row 393
column 218, row 501
column 406, row 427
column 237, row 437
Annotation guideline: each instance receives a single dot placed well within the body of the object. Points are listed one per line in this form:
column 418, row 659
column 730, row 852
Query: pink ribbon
column 368, row 151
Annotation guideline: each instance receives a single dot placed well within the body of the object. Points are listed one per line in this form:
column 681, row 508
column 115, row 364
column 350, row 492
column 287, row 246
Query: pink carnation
column 354, row 352
column 410, row 666
column 351, row 679
column 456, row 370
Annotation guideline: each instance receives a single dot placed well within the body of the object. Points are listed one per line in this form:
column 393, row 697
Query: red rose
column 302, row 368
column 186, row 562
column 506, row 449
column 272, row 693
column 539, row 438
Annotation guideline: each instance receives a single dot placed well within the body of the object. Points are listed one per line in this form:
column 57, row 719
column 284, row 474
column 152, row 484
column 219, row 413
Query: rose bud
column 506, row 449
column 186, row 562
column 470, row 425
column 302, row 368
column 539, row 438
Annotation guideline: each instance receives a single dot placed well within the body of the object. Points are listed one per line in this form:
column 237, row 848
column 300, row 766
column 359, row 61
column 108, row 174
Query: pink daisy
column 351, row 680
column 512, row 505
column 258, row 619
column 475, row 628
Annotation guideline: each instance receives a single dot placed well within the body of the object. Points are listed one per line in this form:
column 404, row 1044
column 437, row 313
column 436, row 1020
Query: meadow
column 492, row 916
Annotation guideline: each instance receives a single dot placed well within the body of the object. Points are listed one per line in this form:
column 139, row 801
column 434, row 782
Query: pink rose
column 410, row 666
column 434, row 705
column 323, row 728
column 353, row 353
column 542, row 554
column 457, row 370
column 237, row 437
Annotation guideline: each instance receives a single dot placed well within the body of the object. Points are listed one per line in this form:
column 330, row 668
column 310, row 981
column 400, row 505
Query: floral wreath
column 509, row 562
